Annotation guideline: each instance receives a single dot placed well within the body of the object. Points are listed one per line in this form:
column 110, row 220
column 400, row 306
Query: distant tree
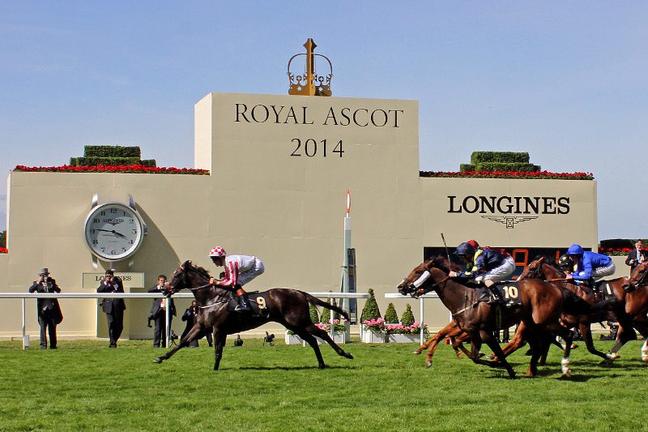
column 325, row 317
column 391, row 317
column 3, row 239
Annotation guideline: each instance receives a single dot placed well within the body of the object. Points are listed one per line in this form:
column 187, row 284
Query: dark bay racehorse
column 540, row 311
column 288, row 307
column 636, row 303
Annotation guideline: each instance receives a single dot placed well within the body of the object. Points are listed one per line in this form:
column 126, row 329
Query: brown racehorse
column 580, row 309
column 636, row 303
column 540, row 310
column 288, row 307
column 628, row 309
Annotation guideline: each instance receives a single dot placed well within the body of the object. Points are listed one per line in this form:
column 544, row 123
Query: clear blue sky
column 565, row 81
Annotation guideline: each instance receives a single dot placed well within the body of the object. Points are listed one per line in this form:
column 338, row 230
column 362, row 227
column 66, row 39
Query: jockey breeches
column 498, row 274
column 600, row 272
column 247, row 276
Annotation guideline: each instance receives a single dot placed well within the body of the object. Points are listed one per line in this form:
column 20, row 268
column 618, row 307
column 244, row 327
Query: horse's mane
column 440, row 262
column 200, row 270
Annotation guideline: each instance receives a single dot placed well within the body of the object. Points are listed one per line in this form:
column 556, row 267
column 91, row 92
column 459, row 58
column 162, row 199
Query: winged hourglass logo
column 510, row 221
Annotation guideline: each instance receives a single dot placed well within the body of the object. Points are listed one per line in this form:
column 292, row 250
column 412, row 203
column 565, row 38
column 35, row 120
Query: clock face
column 113, row 231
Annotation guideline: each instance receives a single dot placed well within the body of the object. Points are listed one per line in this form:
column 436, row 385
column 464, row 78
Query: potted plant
column 406, row 331
column 341, row 328
column 372, row 328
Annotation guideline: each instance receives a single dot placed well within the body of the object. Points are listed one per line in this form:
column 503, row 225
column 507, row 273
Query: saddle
column 508, row 291
column 258, row 303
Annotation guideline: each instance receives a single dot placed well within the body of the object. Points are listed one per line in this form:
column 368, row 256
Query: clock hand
column 111, row 231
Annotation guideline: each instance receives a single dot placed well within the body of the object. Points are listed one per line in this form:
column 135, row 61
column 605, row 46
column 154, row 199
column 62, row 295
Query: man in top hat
column 49, row 311
column 113, row 307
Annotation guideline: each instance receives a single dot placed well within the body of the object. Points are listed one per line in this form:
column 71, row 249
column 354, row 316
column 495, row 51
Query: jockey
column 588, row 266
column 239, row 270
column 485, row 265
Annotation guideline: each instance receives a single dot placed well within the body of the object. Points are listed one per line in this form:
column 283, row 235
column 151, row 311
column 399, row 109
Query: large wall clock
column 114, row 231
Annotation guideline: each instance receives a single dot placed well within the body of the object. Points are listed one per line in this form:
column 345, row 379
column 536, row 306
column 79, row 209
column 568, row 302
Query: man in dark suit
column 49, row 311
column 158, row 312
column 636, row 255
column 113, row 307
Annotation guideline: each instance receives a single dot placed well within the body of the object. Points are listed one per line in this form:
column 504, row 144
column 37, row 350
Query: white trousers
column 600, row 272
column 500, row 273
column 247, row 276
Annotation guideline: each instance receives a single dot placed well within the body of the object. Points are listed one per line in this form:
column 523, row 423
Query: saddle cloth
column 258, row 303
column 508, row 290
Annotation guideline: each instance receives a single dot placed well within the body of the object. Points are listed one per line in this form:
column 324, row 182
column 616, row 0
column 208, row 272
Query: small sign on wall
column 129, row 279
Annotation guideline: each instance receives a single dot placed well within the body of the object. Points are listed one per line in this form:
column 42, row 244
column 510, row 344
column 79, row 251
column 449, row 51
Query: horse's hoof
column 321, row 366
column 612, row 356
column 428, row 364
column 417, row 352
column 348, row 355
column 512, row 376
column 566, row 375
column 157, row 360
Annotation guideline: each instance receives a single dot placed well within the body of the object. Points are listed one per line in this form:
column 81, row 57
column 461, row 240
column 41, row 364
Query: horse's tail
column 315, row 301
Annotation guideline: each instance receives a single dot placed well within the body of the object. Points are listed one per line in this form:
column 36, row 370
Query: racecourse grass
column 86, row 386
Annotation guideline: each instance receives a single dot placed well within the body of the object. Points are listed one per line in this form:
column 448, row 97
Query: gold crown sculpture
column 310, row 83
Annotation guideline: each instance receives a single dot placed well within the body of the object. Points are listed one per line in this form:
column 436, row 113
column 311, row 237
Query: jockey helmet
column 473, row 243
column 575, row 249
column 565, row 262
column 465, row 249
column 217, row 251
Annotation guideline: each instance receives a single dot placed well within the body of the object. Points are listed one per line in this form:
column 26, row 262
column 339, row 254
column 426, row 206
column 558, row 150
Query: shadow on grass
column 287, row 368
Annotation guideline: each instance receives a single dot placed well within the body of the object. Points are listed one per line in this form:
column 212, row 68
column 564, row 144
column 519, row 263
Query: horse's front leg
column 220, row 338
column 190, row 336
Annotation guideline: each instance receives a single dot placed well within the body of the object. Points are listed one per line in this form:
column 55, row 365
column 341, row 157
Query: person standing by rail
column 114, row 307
column 637, row 255
column 49, row 311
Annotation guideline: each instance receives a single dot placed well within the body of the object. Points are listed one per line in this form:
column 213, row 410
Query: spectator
column 113, row 307
column 636, row 255
column 158, row 312
column 190, row 317
column 49, row 311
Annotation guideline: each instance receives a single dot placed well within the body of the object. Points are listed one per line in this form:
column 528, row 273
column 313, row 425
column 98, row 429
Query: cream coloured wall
column 262, row 200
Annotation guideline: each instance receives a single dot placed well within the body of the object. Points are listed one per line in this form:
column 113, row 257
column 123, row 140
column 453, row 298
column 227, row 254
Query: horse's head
column 419, row 277
column 639, row 276
column 179, row 279
column 533, row 270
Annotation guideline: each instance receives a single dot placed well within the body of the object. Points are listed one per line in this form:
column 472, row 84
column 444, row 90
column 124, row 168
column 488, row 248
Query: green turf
column 86, row 386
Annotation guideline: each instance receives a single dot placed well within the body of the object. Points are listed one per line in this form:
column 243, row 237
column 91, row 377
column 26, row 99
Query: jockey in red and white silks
column 239, row 270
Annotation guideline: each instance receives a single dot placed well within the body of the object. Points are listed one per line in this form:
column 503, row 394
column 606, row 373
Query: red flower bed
column 4, row 250
column 511, row 174
column 614, row 250
column 139, row 169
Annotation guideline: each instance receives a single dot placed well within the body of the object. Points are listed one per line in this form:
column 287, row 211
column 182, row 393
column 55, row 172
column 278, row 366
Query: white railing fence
column 421, row 301
column 85, row 295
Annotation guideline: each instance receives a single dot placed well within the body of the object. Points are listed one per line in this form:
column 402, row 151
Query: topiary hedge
column 408, row 316
column 112, row 151
column 391, row 317
column 95, row 160
column 506, row 166
column 370, row 310
column 314, row 316
column 325, row 316
column 478, row 157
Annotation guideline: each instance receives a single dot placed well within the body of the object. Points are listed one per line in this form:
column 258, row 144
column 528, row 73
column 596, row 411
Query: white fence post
column 422, row 315
column 25, row 341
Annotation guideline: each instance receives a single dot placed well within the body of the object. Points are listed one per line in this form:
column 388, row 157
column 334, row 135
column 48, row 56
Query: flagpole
column 347, row 246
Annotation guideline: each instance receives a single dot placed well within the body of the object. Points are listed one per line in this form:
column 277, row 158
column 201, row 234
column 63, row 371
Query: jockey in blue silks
column 588, row 266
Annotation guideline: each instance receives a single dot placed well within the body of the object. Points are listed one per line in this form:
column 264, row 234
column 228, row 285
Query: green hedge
column 148, row 162
column 501, row 157
column 391, row 317
column 408, row 316
column 370, row 310
column 467, row 167
column 112, row 151
column 513, row 166
column 92, row 161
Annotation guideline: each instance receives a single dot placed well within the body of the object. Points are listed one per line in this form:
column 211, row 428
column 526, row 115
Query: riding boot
column 242, row 300
column 496, row 295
